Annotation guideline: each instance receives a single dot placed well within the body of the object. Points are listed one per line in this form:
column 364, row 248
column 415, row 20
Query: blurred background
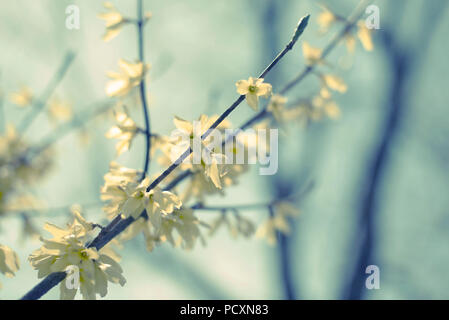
column 380, row 171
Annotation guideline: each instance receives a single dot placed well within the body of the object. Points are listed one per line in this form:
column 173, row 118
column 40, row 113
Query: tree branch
column 143, row 98
column 402, row 61
column 294, row 82
column 117, row 225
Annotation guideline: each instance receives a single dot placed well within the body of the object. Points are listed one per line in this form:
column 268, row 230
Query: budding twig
column 352, row 21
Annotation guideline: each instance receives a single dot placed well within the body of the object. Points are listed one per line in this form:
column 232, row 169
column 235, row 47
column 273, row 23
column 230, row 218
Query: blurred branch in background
column 79, row 121
column 46, row 94
column 281, row 185
column 283, row 189
column 280, row 188
column 401, row 61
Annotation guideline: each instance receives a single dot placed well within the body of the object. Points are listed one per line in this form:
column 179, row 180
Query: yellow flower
column 127, row 199
column 326, row 19
column 241, row 225
column 118, row 182
column 212, row 163
column 304, row 113
column 276, row 107
column 350, row 42
column 130, row 76
column 199, row 186
column 138, row 226
column 215, row 168
column 9, row 262
column 335, row 83
column 114, row 21
column 180, row 228
column 22, row 98
column 253, row 88
column 66, row 250
column 125, row 131
column 364, row 35
column 118, row 174
column 59, row 110
column 186, row 226
column 160, row 203
column 160, row 142
column 202, row 124
column 278, row 222
column 188, row 131
column 311, row 54
column 329, row 107
column 233, row 172
column 241, row 150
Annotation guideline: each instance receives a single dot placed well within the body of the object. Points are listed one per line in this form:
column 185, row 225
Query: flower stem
column 146, row 115
column 231, row 208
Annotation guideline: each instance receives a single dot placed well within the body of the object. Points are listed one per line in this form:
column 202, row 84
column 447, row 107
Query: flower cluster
column 278, row 221
column 114, row 20
column 130, row 76
column 59, row 110
column 67, row 249
column 327, row 19
column 238, row 225
column 158, row 213
column 129, row 198
column 212, row 162
column 252, row 89
column 125, row 130
column 18, row 169
column 22, row 98
column 9, row 262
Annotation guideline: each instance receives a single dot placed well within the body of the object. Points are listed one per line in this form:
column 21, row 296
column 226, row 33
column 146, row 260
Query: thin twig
column 292, row 197
column 352, row 21
column 202, row 207
column 140, row 27
column 263, row 113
